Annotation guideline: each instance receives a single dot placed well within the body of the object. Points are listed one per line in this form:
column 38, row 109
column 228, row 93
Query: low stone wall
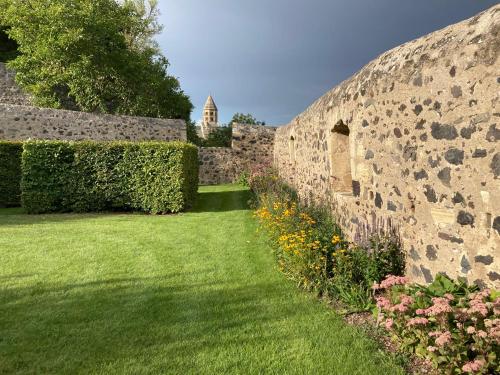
column 10, row 93
column 24, row 122
column 217, row 166
column 412, row 142
column 251, row 145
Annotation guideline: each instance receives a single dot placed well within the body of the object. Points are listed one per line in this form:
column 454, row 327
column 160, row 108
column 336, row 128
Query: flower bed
column 311, row 249
column 455, row 326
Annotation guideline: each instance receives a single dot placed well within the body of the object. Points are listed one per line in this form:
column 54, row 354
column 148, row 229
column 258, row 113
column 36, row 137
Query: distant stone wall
column 217, row 166
column 412, row 142
column 23, row 122
column 10, row 93
column 251, row 145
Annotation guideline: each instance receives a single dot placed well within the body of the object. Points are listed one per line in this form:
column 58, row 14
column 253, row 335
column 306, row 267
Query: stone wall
column 23, row 122
column 251, row 145
column 10, row 93
column 412, row 142
column 217, row 165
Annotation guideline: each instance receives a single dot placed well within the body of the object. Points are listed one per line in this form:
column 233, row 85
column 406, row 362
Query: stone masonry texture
column 10, row 93
column 419, row 131
column 20, row 121
column 23, row 122
column 251, row 145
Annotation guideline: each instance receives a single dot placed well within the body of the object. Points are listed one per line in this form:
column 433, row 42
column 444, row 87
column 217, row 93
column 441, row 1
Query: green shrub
column 312, row 251
column 163, row 176
column 47, row 171
column 101, row 179
column 90, row 176
column 10, row 173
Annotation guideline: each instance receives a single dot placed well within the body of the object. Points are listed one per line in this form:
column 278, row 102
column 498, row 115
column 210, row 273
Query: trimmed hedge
column 10, row 173
column 155, row 177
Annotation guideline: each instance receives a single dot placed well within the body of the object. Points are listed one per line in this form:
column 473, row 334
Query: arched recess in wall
column 340, row 159
column 291, row 149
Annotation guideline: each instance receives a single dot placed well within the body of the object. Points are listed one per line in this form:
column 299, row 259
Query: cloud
column 274, row 58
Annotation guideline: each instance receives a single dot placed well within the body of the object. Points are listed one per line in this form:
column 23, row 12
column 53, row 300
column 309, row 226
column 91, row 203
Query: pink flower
column 383, row 303
column 392, row 280
column 406, row 300
column 496, row 306
column 477, row 304
column 443, row 339
column 473, row 366
column 471, row 330
column 482, row 334
column 420, row 312
column 493, row 328
column 389, row 323
column 478, row 307
column 417, row 321
column 399, row 308
column 440, row 306
column 449, row 297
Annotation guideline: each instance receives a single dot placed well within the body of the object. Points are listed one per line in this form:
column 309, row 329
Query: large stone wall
column 24, row 122
column 412, row 142
column 10, row 93
column 251, row 145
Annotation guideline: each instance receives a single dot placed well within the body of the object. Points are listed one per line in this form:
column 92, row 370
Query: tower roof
column 210, row 104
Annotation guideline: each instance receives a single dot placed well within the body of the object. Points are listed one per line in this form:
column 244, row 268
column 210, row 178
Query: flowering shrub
column 304, row 252
column 449, row 323
column 311, row 249
column 454, row 325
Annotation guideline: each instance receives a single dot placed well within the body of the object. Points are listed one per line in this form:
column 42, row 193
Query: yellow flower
column 336, row 239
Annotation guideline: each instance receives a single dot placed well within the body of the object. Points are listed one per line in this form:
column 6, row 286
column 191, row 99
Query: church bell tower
column 210, row 117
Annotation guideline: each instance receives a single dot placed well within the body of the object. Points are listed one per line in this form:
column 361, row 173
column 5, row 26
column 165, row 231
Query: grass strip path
column 195, row 293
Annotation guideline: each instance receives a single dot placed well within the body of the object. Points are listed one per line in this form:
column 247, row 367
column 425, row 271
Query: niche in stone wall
column 291, row 149
column 340, row 159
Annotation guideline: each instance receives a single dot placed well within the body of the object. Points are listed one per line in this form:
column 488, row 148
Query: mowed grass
column 195, row 293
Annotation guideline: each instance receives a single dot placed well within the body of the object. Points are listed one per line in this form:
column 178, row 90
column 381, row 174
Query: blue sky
column 273, row 58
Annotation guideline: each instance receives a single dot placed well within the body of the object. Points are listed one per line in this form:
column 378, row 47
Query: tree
column 248, row 119
column 94, row 56
column 222, row 136
column 140, row 34
column 192, row 134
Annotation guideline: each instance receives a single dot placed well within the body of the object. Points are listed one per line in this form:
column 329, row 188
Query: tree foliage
column 94, row 56
column 192, row 134
column 248, row 119
column 221, row 137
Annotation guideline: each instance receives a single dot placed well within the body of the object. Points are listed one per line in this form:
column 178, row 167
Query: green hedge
column 10, row 173
column 155, row 177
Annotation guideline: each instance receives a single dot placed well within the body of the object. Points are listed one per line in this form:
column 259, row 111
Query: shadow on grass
column 83, row 327
column 229, row 198
column 221, row 201
column 11, row 216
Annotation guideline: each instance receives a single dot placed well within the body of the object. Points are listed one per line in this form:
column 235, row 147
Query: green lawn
column 195, row 293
